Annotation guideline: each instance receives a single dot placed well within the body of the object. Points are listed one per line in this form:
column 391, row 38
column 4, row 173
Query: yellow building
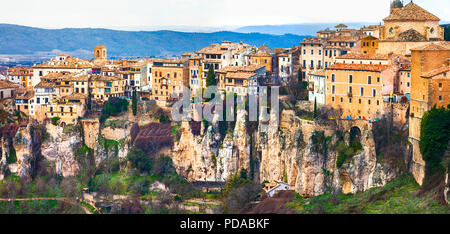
column 67, row 108
column 407, row 27
column 369, row 45
column 262, row 58
column 169, row 78
column 356, row 89
column 103, row 87
column 430, row 86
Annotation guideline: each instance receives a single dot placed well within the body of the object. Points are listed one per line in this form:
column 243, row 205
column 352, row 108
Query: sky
column 120, row 14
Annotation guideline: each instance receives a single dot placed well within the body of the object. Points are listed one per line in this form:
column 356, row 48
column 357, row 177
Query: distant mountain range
column 27, row 42
column 297, row 29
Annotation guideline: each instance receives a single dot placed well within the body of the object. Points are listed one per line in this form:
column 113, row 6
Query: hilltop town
column 352, row 103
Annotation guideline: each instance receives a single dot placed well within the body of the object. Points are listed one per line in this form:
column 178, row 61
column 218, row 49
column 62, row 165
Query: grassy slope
column 398, row 197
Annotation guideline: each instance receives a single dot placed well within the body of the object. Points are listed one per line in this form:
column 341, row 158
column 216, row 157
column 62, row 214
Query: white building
column 316, row 80
column 61, row 63
column 281, row 186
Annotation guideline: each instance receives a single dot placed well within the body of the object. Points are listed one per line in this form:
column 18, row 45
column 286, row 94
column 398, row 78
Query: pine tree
column 211, row 77
column 315, row 108
column 134, row 104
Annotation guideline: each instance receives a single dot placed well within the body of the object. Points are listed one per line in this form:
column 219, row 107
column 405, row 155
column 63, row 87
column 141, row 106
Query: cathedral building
column 408, row 26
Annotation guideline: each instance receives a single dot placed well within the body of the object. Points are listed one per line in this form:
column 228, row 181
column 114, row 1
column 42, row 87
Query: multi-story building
column 169, row 78
column 312, row 55
column 23, row 100
column 316, row 88
column 357, row 89
column 61, row 63
column 21, row 75
column 67, row 108
column 7, row 89
column 371, row 30
column 430, row 86
column 197, row 80
column 288, row 64
column 132, row 75
column 240, row 80
column 369, row 45
column 101, row 88
column 408, row 27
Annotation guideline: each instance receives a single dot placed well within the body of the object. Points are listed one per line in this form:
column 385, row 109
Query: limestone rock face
column 282, row 152
column 22, row 144
column 59, row 149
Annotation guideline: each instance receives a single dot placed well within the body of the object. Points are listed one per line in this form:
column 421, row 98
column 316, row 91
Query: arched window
column 432, row 31
column 391, row 31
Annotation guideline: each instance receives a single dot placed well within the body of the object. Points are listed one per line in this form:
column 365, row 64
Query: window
column 333, row 89
column 342, row 99
column 359, row 101
column 408, row 84
column 312, row 51
column 332, row 99
column 350, row 79
column 391, row 31
column 362, row 91
column 369, row 102
column 350, row 89
column 369, row 80
column 440, row 85
column 374, row 92
column 378, row 79
column 332, row 77
column 440, row 98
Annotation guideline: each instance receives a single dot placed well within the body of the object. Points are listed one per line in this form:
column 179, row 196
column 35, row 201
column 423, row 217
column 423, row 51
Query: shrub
column 55, row 120
column 139, row 160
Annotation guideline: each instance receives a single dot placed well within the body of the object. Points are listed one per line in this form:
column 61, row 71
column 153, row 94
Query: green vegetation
column 12, row 158
column 139, row 160
column 113, row 107
column 211, row 77
column 397, row 197
column 447, row 32
column 238, row 192
column 346, row 151
column 55, row 120
column 89, row 207
column 134, row 102
column 176, row 132
column 434, row 138
column 39, row 207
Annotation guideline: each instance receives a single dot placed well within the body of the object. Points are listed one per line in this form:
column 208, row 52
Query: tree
column 315, row 108
column 211, row 77
column 139, row 160
column 134, row 103
column 434, row 138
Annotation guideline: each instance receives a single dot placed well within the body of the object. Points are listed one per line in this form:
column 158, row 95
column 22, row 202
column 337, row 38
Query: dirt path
column 48, row 199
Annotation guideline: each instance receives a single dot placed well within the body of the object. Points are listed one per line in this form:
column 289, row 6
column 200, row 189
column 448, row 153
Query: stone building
column 407, row 27
column 430, row 85
column 169, row 78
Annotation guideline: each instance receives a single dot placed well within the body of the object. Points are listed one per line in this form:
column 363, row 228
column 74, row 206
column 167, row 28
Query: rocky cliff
column 285, row 152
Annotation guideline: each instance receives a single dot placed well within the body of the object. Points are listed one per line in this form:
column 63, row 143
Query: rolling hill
column 20, row 40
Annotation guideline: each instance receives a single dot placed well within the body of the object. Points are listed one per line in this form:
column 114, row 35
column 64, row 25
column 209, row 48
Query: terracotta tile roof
column 76, row 96
column 240, row 75
column 250, row 68
column 105, row 78
column 43, row 84
column 341, row 26
column 7, row 85
column 358, row 67
column 411, row 12
column 100, row 46
column 437, row 71
column 69, row 63
column 78, row 78
column 343, row 38
column 362, row 56
column 432, row 46
column 411, row 35
column 20, row 71
column 26, row 94
column 261, row 54
column 320, row 72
